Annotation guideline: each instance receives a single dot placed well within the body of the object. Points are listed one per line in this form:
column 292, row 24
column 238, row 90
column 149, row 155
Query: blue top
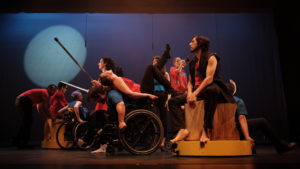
column 158, row 86
column 240, row 110
column 82, row 111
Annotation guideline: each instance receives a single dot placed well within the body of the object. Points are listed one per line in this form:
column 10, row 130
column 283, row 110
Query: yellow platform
column 214, row 148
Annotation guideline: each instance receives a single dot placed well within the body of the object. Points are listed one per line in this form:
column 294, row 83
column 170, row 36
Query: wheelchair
column 65, row 131
column 142, row 136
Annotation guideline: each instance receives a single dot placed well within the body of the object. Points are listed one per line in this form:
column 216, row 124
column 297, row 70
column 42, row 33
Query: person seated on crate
column 205, row 83
column 252, row 125
column 76, row 107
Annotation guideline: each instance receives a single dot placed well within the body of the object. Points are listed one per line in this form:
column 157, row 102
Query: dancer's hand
column 152, row 97
column 96, row 83
column 251, row 141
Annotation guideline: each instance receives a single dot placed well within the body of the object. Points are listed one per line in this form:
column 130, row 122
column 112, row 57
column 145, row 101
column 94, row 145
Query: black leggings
column 261, row 124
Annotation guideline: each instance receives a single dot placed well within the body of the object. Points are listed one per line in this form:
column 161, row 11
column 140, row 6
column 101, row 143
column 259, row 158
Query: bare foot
column 182, row 133
column 163, row 142
column 102, row 149
column 204, row 138
column 99, row 131
column 122, row 125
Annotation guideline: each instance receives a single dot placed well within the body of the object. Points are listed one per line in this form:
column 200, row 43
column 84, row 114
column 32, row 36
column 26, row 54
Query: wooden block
column 194, row 120
column 224, row 127
column 214, row 148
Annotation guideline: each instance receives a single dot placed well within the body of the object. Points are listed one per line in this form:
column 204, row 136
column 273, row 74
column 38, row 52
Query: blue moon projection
column 45, row 62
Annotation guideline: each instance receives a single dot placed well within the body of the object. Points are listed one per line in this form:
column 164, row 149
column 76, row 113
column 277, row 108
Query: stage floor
column 265, row 158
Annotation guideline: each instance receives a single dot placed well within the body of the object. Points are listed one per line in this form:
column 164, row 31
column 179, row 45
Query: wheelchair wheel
column 143, row 134
column 64, row 136
column 84, row 136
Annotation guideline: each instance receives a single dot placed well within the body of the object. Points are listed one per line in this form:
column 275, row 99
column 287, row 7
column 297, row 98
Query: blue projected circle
column 45, row 62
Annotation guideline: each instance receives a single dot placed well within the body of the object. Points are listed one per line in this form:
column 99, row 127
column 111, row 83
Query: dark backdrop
column 246, row 42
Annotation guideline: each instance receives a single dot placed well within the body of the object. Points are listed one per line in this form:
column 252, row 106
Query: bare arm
column 76, row 110
column 63, row 109
column 210, row 71
column 244, row 127
column 43, row 109
column 167, row 76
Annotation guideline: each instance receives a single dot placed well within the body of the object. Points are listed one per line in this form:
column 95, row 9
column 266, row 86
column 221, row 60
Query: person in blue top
column 80, row 111
column 253, row 125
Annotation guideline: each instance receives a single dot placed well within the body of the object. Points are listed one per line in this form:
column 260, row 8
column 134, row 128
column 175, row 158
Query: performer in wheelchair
column 76, row 107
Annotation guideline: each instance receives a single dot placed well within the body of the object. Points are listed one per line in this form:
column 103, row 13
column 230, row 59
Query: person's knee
column 213, row 90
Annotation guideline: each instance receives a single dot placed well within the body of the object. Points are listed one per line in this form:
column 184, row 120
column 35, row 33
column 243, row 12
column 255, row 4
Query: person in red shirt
column 58, row 100
column 178, row 75
column 24, row 104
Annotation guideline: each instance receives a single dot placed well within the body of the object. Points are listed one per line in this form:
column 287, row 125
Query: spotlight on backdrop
column 46, row 63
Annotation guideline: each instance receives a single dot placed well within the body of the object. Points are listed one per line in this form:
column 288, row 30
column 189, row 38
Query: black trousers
column 97, row 119
column 210, row 95
column 163, row 113
column 24, row 107
column 261, row 124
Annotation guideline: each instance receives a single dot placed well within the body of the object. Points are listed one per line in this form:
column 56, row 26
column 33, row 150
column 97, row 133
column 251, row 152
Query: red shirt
column 57, row 101
column 178, row 79
column 101, row 106
column 198, row 80
column 132, row 85
column 36, row 95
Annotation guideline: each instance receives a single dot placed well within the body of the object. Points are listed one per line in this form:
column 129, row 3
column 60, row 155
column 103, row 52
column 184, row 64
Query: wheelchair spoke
column 136, row 141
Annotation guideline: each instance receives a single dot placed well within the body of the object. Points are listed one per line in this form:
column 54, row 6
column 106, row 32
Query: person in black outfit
column 205, row 83
column 155, row 82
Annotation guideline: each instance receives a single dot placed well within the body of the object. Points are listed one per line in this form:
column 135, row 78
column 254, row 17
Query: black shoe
column 285, row 148
column 163, row 149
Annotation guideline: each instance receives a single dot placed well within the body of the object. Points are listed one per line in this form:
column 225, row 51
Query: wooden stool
column 50, row 129
column 224, row 127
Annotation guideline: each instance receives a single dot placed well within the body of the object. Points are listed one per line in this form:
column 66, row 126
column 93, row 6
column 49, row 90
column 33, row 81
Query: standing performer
column 178, row 75
column 204, row 83
column 24, row 104
column 58, row 100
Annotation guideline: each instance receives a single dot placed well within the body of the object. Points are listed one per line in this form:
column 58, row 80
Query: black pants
column 160, row 104
column 210, row 95
column 24, row 107
column 261, row 124
column 97, row 119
